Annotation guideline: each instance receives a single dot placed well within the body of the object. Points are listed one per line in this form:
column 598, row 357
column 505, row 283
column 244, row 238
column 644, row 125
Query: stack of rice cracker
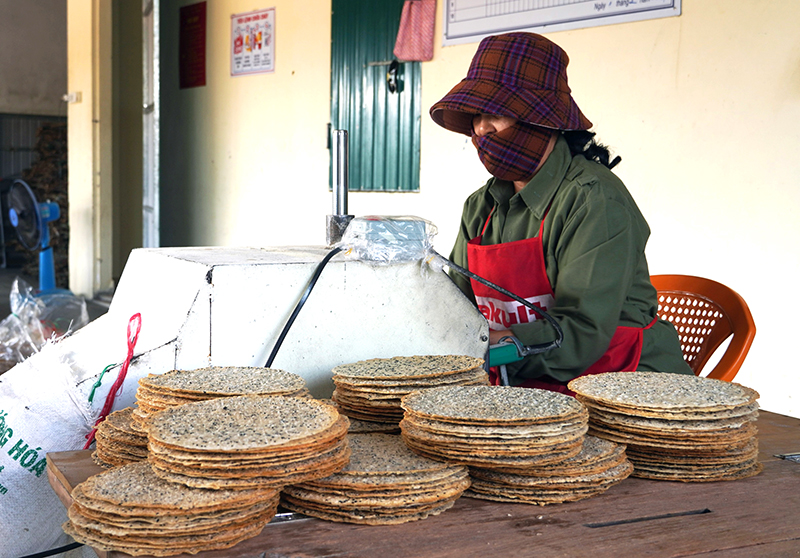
column 384, row 483
column 676, row 427
column 247, row 442
column 122, row 437
column 521, row 445
column 130, row 509
column 213, row 474
column 157, row 392
column 117, row 442
column 371, row 390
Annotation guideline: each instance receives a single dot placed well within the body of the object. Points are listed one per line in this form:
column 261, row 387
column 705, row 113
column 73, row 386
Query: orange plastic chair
column 706, row 313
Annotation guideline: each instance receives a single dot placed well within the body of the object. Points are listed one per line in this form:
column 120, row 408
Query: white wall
column 703, row 109
column 33, row 59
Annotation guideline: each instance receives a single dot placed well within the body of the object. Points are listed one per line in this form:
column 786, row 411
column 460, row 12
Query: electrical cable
column 54, row 551
column 299, row 306
column 528, row 349
column 524, row 351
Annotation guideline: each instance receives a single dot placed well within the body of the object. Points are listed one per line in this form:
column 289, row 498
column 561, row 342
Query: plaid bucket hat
column 521, row 75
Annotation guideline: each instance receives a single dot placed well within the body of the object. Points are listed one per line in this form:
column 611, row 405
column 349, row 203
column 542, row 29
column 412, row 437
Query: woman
column 554, row 225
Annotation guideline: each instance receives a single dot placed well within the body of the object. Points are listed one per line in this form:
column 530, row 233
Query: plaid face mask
column 513, row 153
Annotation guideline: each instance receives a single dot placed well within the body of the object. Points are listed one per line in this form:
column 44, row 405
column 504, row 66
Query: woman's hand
column 495, row 336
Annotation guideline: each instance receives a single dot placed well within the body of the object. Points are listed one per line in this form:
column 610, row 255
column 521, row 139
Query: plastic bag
column 382, row 239
column 36, row 319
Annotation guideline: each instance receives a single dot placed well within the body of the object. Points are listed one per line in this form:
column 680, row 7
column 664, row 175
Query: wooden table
column 754, row 517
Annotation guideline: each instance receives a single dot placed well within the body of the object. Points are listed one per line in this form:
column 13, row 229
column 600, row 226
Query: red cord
column 116, row 388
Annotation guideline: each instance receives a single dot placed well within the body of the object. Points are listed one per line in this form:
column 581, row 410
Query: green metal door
column 383, row 126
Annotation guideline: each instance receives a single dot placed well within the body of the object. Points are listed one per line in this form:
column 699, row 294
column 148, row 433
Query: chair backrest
column 705, row 313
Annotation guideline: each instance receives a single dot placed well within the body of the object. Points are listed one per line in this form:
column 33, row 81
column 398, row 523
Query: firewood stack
column 47, row 177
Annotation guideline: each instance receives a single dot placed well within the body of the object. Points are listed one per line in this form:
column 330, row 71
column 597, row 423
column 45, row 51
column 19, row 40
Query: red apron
column 519, row 267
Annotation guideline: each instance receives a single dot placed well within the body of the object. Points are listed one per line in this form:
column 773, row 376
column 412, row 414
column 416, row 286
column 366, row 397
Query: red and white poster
column 253, row 42
column 192, row 45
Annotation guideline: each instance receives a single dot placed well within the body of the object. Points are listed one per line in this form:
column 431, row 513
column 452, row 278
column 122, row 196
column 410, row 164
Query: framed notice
column 253, row 42
column 471, row 20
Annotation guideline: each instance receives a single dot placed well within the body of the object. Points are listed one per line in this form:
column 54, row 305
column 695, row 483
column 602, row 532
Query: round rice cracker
column 369, row 415
column 493, row 405
column 284, row 454
column 243, row 424
column 329, row 458
column 689, row 445
column 116, row 457
column 405, row 385
column 384, row 461
column 643, row 423
column 536, row 498
column 502, row 481
column 368, row 401
column 496, row 431
column 108, row 512
column 749, row 411
column 120, row 438
column 191, row 546
column 358, row 426
column 421, row 366
column 745, row 431
column 689, row 469
column 657, row 391
column 134, row 528
column 735, row 454
column 169, row 457
column 596, row 455
column 491, row 452
column 321, row 470
column 120, row 422
column 381, row 454
column 136, row 486
column 148, row 401
column 396, row 509
column 346, row 485
column 367, row 501
column 371, row 517
column 746, row 470
column 110, row 437
column 523, row 444
column 484, row 452
column 512, row 464
column 225, row 381
column 130, row 519
column 319, row 444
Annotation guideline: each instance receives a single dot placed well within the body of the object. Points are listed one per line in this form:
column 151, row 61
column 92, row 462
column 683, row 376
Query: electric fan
column 29, row 219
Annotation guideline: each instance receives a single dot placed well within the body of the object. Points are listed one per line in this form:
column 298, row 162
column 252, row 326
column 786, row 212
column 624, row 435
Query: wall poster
column 253, row 42
column 469, row 21
column 192, row 46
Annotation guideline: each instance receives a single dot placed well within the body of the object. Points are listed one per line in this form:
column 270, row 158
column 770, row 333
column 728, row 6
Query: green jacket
column 594, row 239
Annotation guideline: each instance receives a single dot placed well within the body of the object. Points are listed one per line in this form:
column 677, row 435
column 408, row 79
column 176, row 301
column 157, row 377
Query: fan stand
column 30, row 219
column 47, row 271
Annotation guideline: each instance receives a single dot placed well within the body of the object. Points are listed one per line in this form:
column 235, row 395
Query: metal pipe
column 340, row 171
column 341, row 165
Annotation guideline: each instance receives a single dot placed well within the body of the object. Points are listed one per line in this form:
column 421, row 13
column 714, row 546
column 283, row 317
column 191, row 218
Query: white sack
column 41, row 411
